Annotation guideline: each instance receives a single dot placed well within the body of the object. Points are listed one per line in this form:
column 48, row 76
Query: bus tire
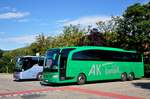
column 39, row 76
column 123, row 77
column 81, row 79
column 131, row 76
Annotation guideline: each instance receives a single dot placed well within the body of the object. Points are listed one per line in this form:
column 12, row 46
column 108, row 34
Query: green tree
column 6, row 63
column 40, row 45
column 1, row 53
column 134, row 27
column 70, row 37
column 108, row 30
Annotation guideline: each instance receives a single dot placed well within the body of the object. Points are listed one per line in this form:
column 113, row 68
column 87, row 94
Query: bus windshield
column 51, row 60
column 19, row 64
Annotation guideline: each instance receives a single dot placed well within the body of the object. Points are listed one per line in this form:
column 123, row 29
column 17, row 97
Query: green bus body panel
column 103, row 70
column 96, row 70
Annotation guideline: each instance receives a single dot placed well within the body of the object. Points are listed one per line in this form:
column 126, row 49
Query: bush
column 147, row 70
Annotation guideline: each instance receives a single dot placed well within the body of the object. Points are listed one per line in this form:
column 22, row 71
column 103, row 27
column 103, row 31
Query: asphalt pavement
column 31, row 89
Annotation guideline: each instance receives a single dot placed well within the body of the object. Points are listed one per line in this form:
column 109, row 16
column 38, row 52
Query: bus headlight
column 55, row 76
column 46, row 80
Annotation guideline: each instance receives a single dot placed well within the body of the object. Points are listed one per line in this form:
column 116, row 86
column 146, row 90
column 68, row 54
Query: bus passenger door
column 63, row 63
column 62, row 70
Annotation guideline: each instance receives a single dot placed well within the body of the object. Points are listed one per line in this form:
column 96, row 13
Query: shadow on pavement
column 87, row 83
column 26, row 80
column 31, row 96
column 144, row 85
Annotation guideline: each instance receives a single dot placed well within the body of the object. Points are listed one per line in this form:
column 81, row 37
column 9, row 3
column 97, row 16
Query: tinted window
column 87, row 55
column 65, row 52
column 64, row 57
column 41, row 62
column 101, row 55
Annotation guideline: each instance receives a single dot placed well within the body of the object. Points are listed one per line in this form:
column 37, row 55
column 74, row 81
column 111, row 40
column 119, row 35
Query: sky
column 22, row 20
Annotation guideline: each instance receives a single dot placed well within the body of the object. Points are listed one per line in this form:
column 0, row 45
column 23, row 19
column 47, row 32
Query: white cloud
column 13, row 15
column 87, row 20
column 25, row 39
column 11, row 43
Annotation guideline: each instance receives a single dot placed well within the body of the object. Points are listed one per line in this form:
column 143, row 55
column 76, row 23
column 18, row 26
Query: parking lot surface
column 136, row 89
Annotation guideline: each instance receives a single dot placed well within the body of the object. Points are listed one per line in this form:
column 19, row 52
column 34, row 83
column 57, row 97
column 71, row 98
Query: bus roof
column 30, row 56
column 96, row 47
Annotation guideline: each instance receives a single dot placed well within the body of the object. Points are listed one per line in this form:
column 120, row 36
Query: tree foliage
column 134, row 27
column 41, row 44
column 1, row 53
column 70, row 37
column 108, row 30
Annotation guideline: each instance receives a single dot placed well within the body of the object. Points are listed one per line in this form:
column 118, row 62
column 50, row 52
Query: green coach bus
column 91, row 63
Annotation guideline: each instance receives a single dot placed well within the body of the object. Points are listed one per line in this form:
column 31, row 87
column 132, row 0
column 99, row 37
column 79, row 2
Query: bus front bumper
column 16, row 76
column 49, row 78
column 44, row 83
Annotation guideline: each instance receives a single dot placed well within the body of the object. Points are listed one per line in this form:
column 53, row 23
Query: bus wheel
column 39, row 76
column 81, row 79
column 123, row 76
column 131, row 76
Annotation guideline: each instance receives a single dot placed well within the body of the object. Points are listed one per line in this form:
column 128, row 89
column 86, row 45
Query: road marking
column 81, row 90
column 29, row 85
column 30, row 91
column 102, row 93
